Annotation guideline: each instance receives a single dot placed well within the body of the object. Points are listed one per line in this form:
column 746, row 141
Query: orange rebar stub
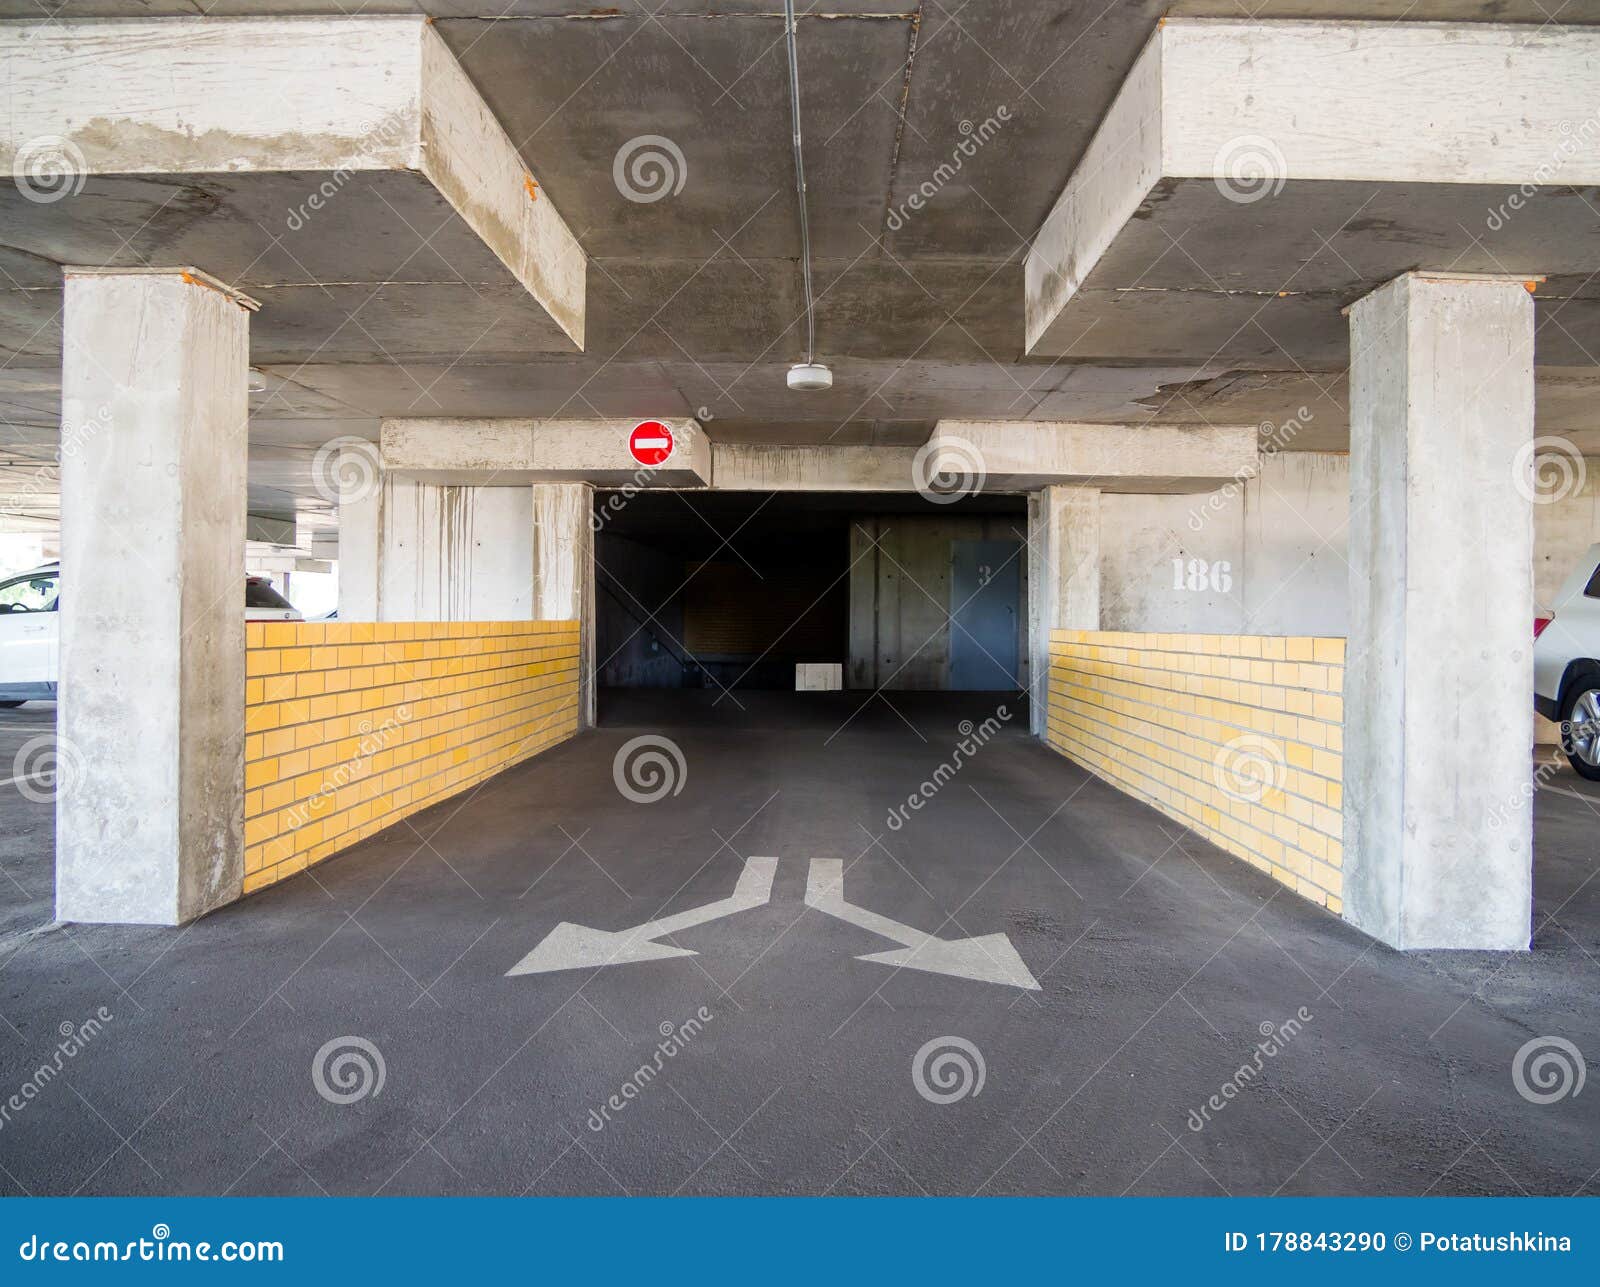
column 531, row 186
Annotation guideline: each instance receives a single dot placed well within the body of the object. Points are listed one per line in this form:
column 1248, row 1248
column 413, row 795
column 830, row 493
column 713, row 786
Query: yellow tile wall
column 1179, row 720
column 352, row 726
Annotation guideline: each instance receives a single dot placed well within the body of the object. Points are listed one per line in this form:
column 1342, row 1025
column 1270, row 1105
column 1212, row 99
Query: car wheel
column 1580, row 727
column 9, row 705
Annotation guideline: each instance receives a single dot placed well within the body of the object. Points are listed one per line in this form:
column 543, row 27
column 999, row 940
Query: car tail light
column 1539, row 623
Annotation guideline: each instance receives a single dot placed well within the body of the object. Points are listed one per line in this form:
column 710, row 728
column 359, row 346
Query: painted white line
column 577, row 947
column 988, row 958
column 46, row 775
column 1576, row 795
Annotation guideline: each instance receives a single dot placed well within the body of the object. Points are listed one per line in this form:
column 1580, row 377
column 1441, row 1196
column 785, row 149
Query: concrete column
column 563, row 571
column 1438, row 690
column 452, row 553
column 359, row 478
column 149, row 827
column 1063, row 579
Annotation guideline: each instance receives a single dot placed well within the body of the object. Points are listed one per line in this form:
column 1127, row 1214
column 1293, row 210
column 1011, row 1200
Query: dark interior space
column 731, row 590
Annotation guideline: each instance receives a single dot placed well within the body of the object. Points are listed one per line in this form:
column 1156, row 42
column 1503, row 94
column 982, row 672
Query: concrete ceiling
column 694, row 299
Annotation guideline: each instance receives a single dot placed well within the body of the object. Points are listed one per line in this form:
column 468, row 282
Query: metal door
column 985, row 595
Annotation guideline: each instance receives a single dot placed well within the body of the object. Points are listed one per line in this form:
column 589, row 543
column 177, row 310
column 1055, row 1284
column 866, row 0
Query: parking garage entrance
column 733, row 591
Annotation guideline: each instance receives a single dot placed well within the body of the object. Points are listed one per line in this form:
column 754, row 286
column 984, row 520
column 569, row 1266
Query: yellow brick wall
column 351, row 726
column 1237, row 737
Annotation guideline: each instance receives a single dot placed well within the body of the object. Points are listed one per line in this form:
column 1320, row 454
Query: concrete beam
column 270, row 529
column 1011, row 455
column 752, row 468
column 508, row 453
column 1241, row 111
column 1025, row 455
column 308, row 96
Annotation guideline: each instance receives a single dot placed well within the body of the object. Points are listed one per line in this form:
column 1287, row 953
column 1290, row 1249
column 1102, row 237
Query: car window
column 30, row 593
column 260, row 594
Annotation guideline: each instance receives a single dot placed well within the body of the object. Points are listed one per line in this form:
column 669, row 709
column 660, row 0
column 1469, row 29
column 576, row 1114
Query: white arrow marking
column 577, row 947
column 989, row 958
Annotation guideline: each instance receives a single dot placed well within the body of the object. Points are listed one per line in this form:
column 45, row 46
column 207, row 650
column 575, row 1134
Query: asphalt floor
column 357, row 1028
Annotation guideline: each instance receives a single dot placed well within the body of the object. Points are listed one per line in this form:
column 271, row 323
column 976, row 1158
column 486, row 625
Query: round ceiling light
column 809, row 376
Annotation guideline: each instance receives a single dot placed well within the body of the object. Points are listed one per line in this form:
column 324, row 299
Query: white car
column 30, row 629
column 1566, row 665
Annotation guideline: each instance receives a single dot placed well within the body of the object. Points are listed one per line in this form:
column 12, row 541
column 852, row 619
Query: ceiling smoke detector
column 809, row 376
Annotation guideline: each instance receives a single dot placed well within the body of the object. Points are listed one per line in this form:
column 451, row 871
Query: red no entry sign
column 650, row 442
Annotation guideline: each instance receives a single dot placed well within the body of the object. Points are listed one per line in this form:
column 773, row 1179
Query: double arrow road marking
column 987, row 958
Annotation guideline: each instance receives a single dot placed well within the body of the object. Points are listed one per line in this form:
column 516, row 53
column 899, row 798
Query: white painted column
column 1438, row 690
column 563, row 571
column 150, row 804
column 1063, row 579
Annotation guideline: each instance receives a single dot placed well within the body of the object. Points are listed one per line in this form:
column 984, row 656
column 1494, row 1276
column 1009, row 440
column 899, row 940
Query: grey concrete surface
column 27, row 819
column 694, row 300
column 1159, row 959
